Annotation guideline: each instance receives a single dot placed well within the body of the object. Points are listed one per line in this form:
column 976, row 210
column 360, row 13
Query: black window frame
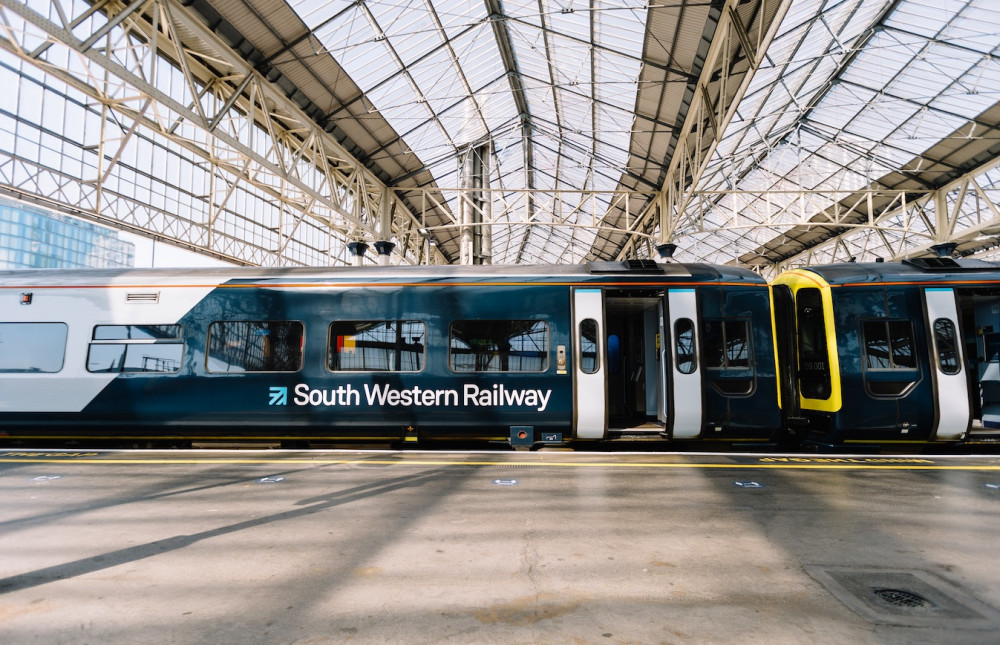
column 131, row 339
column 209, row 349
column 811, row 348
column 397, row 348
column 592, row 340
column 498, row 353
column 727, row 332
column 687, row 349
column 47, row 369
column 891, row 358
column 943, row 346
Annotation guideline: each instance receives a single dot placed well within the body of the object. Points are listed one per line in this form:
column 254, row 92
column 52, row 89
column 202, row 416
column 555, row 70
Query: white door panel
column 686, row 400
column 590, row 410
column 952, row 391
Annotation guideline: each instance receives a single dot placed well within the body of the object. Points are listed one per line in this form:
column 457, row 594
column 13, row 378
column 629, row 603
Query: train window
column 135, row 348
column 138, row 332
column 499, row 346
column 726, row 344
column 376, row 346
column 590, row 356
column 255, row 346
column 32, row 347
column 684, row 352
column 888, row 345
column 946, row 341
column 814, row 360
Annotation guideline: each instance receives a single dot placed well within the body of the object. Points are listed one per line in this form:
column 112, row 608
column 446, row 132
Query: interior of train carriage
column 634, row 370
column 980, row 322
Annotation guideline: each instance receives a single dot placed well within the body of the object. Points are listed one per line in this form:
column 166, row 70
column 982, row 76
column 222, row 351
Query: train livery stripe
column 264, row 284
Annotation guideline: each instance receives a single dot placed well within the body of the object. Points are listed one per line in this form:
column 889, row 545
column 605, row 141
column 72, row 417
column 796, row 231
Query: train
column 887, row 354
column 664, row 353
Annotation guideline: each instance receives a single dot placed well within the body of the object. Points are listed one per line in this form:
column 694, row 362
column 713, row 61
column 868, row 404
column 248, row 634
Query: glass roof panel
column 911, row 83
column 840, row 99
column 575, row 92
column 476, row 50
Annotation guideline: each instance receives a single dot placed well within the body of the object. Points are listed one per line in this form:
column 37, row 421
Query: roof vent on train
column 944, row 265
column 933, row 264
column 143, row 298
column 625, row 266
column 943, row 260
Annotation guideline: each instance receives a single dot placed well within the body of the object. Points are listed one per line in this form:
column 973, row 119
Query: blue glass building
column 33, row 238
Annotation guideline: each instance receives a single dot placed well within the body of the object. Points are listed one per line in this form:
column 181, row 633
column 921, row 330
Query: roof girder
column 351, row 193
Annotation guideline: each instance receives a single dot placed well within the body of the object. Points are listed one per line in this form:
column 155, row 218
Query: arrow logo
column 279, row 396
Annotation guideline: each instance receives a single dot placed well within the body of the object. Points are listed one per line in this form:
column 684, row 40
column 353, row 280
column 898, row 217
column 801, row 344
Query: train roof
column 615, row 271
column 916, row 270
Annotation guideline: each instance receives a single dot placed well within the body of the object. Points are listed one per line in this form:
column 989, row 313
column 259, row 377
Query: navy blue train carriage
column 885, row 354
column 526, row 355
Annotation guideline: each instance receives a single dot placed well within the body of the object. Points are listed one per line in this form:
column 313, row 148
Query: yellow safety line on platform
column 912, row 465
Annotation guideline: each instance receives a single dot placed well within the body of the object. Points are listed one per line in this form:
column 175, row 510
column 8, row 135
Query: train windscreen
column 814, row 360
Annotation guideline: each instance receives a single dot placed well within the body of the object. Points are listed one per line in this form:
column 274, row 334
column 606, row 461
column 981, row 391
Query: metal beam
column 228, row 114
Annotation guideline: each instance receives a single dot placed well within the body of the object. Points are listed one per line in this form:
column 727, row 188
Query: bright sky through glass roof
column 896, row 91
column 432, row 68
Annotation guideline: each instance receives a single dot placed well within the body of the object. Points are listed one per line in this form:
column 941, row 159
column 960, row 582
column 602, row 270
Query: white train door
column 682, row 395
column 952, row 402
column 590, row 410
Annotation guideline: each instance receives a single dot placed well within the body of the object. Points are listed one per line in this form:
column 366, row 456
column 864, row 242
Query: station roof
column 570, row 95
column 824, row 101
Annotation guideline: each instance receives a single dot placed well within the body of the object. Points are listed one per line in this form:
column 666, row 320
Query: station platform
column 497, row 547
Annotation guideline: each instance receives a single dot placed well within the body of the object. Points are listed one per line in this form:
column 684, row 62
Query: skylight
column 434, row 70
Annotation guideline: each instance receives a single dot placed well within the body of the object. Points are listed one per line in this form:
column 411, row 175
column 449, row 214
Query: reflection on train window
column 814, row 360
column 888, row 345
column 685, row 357
column 135, row 348
column 499, row 346
column 138, row 332
column 32, row 347
column 590, row 355
column 255, row 346
column 726, row 344
column 946, row 341
column 376, row 346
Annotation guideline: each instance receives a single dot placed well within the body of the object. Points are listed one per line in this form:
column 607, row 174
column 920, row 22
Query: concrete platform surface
column 503, row 547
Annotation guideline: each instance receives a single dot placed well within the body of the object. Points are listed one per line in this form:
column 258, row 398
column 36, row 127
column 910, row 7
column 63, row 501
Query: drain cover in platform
column 905, row 597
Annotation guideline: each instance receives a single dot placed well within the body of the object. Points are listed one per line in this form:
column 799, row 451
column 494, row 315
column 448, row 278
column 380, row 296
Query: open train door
column 684, row 403
column 953, row 404
column 590, row 408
